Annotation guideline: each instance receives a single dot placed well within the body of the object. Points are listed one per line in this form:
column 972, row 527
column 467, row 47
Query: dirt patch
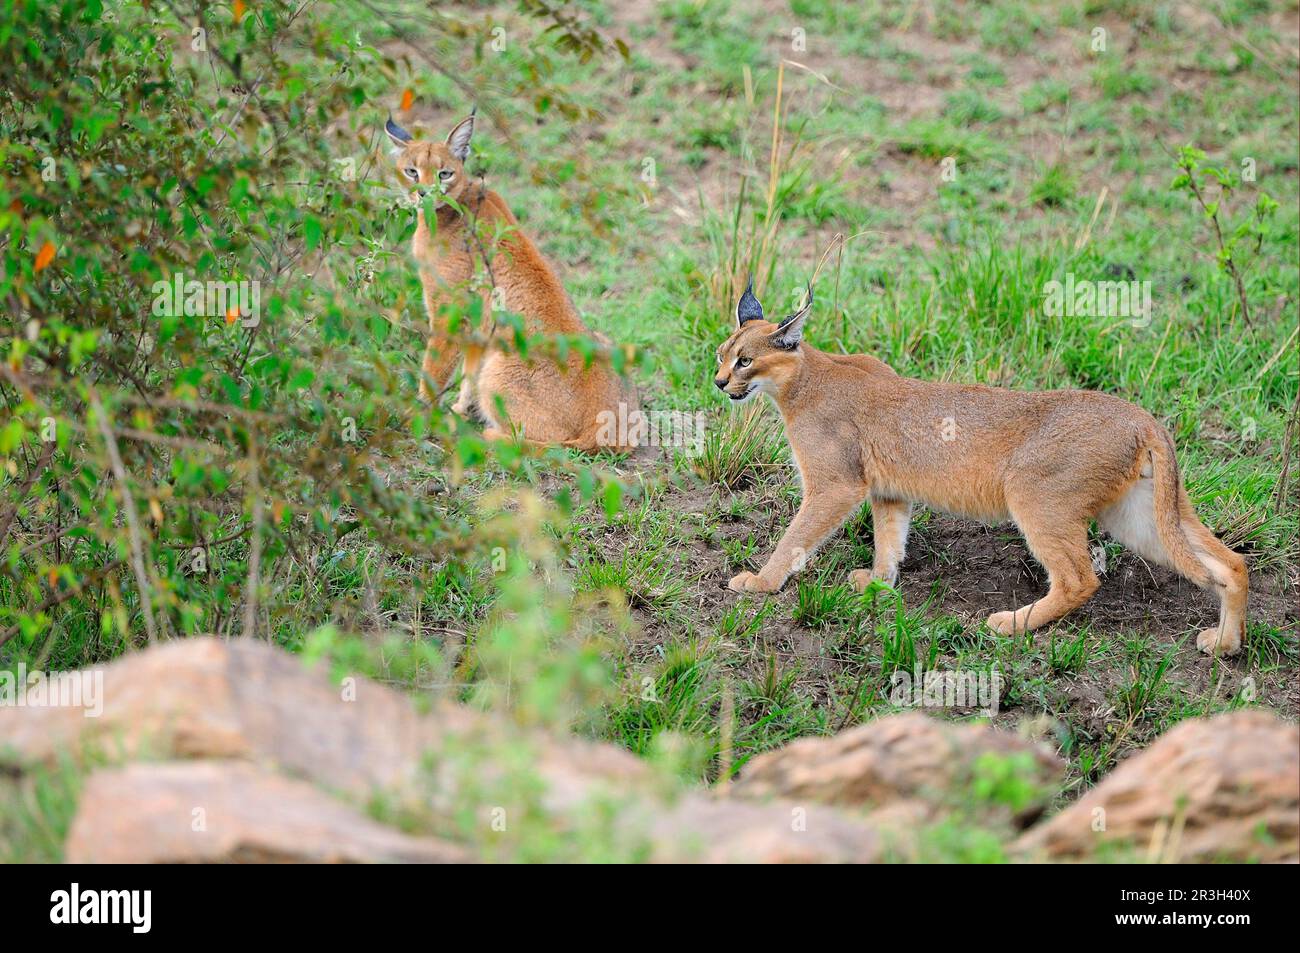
column 980, row 569
column 965, row 570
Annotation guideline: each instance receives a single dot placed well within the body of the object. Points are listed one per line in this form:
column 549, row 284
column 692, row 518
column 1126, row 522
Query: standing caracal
column 476, row 244
column 1051, row 461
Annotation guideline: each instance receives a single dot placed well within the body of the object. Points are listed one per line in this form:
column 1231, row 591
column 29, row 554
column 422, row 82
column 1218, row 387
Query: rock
column 208, row 698
column 1220, row 789
column 266, row 738
column 230, row 812
column 701, row 829
column 900, row 759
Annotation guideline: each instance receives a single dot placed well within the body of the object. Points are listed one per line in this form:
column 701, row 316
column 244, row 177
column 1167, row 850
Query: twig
column 255, row 544
column 62, row 597
column 132, row 518
column 32, row 476
column 1288, row 439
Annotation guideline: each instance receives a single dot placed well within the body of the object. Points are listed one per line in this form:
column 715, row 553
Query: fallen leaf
column 45, row 256
column 408, row 100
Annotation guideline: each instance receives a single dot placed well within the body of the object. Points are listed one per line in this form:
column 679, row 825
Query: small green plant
column 941, row 139
column 818, row 605
column 742, row 449
column 741, row 622
column 647, row 579
column 37, row 805
column 970, row 106
column 1116, row 80
column 775, row 688
column 740, row 551
column 1044, row 94
column 1233, row 241
column 1007, row 780
column 1069, row 654
column 1137, row 696
column 1056, row 187
column 898, row 644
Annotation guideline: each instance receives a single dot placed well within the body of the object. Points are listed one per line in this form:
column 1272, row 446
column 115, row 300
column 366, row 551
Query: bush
column 212, row 330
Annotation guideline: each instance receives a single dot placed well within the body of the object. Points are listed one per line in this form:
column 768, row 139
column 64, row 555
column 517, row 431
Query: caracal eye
column 444, row 174
column 411, row 173
column 743, row 362
column 719, row 357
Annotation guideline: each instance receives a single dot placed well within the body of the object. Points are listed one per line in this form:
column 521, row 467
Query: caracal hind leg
column 1062, row 549
column 1230, row 581
column 890, row 520
column 823, row 510
column 1191, row 550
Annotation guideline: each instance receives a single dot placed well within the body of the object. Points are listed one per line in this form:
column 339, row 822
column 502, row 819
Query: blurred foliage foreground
column 208, row 396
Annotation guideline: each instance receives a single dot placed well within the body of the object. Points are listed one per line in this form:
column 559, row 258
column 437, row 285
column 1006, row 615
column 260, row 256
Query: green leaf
column 311, row 231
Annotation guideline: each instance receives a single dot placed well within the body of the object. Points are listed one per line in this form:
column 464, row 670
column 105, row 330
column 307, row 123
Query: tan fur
column 1050, row 461
column 474, row 251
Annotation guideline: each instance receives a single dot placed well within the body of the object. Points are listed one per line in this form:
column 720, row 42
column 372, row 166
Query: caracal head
column 760, row 356
column 432, row 168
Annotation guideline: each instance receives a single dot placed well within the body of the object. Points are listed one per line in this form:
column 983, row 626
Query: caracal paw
column 749, row 582
column 1004, row 623
column 1218, row 641
column 860, row 579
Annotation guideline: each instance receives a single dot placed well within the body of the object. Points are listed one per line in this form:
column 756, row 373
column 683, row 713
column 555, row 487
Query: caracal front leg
column 475, row 352
column 822, row 511
column 890, row 520
column 441, row 353
column 466, row 400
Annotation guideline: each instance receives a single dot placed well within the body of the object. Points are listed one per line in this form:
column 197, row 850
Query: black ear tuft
column 789, row 332
column 748, row 308
column 395, row 132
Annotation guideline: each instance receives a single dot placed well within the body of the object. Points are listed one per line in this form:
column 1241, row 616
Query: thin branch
column 46, row 455
column 132, row 518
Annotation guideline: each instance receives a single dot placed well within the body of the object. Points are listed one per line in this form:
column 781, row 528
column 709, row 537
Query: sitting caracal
column 476, row 242
column 1051, row 461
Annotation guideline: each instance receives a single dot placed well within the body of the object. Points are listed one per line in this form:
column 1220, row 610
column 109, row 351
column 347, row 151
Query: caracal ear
column 789, row 332
column 458, row 138
column 748, row 308
column 399, row 136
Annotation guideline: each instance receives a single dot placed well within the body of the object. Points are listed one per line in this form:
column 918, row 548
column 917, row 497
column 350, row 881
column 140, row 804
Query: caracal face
column 760, row 356
column 432, row 168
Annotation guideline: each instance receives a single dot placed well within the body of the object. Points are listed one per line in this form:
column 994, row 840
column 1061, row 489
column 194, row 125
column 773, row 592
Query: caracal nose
column 720, row 384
